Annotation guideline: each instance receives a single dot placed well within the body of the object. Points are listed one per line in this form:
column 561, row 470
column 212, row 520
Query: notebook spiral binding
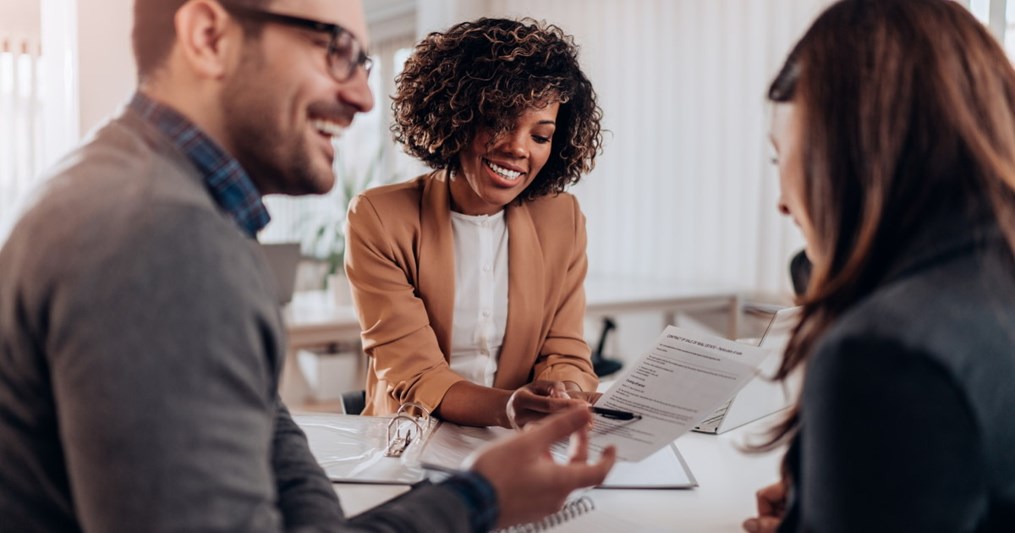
column 571, row 510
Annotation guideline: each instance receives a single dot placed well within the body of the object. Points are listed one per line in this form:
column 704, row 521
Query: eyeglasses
column 345, row 53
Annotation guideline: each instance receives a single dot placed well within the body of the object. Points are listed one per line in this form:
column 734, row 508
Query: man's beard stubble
column 277, row 161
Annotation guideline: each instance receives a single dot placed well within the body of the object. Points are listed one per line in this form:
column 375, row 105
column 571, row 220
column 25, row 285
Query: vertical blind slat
column 20, row 102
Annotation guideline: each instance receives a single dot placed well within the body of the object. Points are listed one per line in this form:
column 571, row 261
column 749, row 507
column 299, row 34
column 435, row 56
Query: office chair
column 800, row 272
column 600, row 364
column 353, row 402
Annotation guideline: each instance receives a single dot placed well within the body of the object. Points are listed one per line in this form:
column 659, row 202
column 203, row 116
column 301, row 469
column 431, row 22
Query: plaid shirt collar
column 225, row 179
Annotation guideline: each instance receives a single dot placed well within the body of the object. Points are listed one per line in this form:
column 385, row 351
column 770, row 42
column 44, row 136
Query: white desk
column 727, row 480
column 617, row 295
column 314, row 319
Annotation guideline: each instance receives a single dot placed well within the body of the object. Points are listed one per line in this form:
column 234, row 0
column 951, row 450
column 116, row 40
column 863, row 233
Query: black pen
column 614, row 414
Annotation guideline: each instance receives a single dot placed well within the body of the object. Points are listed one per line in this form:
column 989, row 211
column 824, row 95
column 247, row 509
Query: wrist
column 504, row 417
column 480, row 499
column 469, row 404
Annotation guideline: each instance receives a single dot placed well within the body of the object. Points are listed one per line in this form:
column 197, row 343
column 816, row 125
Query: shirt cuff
column 480, row 499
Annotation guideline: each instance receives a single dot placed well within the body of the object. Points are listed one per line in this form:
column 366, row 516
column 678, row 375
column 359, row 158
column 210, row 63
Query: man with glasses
column 140, row 344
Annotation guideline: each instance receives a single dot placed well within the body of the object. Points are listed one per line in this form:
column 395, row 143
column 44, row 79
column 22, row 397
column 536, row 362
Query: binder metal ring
column 406, row 428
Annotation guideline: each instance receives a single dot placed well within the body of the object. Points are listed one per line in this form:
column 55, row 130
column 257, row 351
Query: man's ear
column 207, row 38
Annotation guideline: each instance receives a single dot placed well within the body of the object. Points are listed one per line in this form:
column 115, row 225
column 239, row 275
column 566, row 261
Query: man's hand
column 539, row 399
column 529, row 484
column 771, row 508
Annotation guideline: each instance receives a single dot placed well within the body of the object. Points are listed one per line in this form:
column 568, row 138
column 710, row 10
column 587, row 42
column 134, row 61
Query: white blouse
column 481, row 295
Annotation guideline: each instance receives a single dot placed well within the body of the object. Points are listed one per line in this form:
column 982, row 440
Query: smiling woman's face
column 787, row 140
column 494, row 171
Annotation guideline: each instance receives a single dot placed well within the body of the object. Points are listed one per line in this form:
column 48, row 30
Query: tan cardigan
column 400, row 262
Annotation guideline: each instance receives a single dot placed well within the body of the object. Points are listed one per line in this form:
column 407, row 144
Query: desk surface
column 605, row 293
column 313, row 318
column 727, row 479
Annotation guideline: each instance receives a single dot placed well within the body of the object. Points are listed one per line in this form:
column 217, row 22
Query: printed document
column 685, row 377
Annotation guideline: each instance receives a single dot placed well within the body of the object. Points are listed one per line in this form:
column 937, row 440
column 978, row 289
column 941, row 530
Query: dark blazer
column 908, row 407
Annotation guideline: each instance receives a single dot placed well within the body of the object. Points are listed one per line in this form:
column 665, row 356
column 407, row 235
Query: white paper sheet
column 685, row 377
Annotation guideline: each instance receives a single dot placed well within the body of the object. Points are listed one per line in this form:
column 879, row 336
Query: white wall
column 685, row 188
column 20, row 104
column 106, row 63
column 437, row 15
column 20, row 18
column 89, row 67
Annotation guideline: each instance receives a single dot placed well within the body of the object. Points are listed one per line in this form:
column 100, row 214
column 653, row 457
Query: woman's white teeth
column 503, row 172
column 327, row 127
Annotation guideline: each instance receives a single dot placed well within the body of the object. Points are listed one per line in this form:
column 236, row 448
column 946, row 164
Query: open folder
column 351, row 449
column 451, row 444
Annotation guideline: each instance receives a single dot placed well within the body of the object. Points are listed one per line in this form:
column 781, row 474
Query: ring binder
column 370, row 449
column 405, row 428
column 351, row 449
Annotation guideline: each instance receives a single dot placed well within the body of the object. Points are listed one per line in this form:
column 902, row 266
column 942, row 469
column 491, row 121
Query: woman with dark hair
column 468, row 280
column 894, row 124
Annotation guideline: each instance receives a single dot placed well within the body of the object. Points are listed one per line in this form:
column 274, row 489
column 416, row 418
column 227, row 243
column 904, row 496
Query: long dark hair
column 908, row 111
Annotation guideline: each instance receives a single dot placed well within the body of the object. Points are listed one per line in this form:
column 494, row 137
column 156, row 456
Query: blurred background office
column 685, row 189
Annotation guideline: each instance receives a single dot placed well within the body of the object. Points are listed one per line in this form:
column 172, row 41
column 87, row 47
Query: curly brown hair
column 485, row 74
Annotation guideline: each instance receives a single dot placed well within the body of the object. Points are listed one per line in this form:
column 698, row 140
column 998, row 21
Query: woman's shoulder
column 394, row 192
column 950, row 320
column 946, row 308
column 402, row 198
column 554, row 207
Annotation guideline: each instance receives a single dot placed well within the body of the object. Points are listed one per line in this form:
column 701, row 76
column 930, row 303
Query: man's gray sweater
column 140, row 351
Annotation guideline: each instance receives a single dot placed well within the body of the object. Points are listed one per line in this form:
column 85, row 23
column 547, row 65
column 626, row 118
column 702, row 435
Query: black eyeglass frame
column 355, row 60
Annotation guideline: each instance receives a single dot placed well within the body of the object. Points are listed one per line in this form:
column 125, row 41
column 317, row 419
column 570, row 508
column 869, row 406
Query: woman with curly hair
column 468, row 281
column 894, row 125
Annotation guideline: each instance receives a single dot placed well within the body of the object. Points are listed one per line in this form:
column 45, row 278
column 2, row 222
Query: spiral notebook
column 579, row 516
column 570, row 514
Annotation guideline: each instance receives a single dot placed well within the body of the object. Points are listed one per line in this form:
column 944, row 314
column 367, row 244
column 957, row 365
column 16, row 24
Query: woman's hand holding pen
column 541, row 398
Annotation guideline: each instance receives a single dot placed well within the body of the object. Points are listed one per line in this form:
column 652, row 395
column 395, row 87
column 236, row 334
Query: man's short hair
column 154, row 31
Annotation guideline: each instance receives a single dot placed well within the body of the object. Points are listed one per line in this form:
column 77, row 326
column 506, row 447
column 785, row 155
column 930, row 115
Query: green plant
column 325, row 234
